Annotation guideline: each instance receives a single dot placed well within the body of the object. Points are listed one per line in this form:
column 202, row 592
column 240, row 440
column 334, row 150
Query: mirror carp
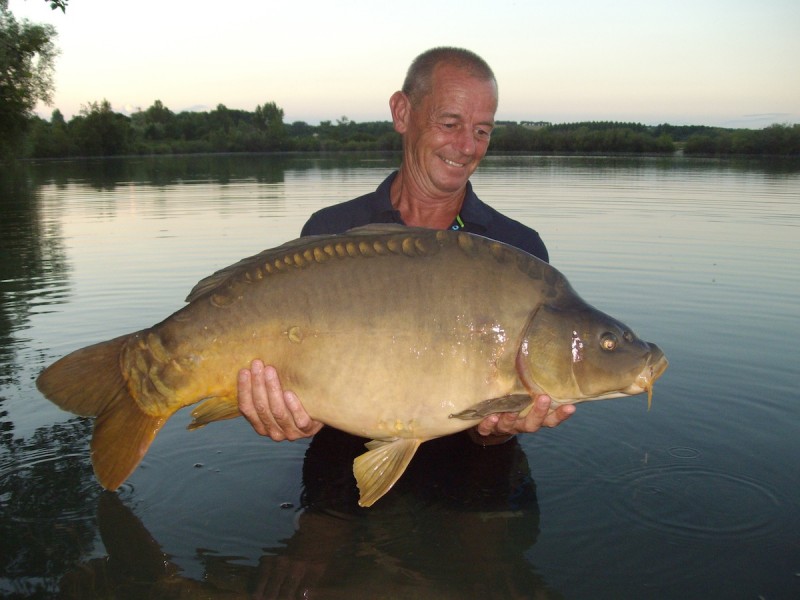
column 392, row 333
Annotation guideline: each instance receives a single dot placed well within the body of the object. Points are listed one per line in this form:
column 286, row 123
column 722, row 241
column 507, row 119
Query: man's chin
column 452, row 179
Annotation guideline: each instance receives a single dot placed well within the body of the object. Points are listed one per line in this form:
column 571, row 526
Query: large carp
column 392, row 333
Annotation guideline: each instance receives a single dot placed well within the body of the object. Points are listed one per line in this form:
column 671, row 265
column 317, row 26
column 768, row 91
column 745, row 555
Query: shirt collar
column 473, row 212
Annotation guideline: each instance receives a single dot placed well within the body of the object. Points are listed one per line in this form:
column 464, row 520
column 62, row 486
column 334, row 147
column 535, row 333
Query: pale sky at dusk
column 732, row 63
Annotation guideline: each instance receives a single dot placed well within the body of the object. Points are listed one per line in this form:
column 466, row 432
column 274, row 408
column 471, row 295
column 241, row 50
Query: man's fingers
column 558, row 416
column 255, row 400
column 291, row 421
column 299, row 415
column 507, row 424
column 304, row 425
column 539, row 416
column 274, row 397
column 271, row 411
column 487, row 425
column 247, row 401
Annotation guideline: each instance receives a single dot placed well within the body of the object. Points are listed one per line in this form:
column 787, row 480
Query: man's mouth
column 453, row 163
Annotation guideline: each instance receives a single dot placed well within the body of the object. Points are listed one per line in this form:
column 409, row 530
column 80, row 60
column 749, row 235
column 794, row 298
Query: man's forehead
column 459, row 90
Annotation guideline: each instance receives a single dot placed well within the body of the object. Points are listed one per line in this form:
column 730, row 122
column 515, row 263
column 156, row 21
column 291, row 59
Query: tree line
column 27, row 55
column 610, row 136
column 100, row 131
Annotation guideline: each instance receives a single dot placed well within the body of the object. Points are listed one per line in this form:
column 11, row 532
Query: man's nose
column 467, row 143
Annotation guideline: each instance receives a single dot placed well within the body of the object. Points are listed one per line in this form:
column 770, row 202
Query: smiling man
column 445, row 113
column 446, row 121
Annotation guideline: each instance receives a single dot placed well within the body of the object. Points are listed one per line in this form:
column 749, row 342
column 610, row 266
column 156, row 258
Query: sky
column 728, row 63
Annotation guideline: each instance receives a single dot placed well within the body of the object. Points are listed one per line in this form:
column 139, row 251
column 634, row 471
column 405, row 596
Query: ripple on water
column 216, row 488
column 684, row 452
column 688, row 501
column 684, row 517
column 211, row 464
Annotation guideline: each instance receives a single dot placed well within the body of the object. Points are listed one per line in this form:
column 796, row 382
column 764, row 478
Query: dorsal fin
column 300, row 247
column 212, row 282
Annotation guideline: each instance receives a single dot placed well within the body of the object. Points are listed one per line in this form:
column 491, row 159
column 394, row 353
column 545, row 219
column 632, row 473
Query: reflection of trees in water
column 46, row 482
column 32, row 262
column 33, row 271
column 107, row 173
column 47, row 503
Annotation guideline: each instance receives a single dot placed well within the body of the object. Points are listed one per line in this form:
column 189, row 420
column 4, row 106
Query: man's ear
column 400, row 106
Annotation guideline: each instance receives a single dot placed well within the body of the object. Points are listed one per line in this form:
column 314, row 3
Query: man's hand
column 499, row 428
column 271, row 410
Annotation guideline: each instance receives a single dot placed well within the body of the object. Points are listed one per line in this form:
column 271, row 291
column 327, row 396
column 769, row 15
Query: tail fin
column 89, row 382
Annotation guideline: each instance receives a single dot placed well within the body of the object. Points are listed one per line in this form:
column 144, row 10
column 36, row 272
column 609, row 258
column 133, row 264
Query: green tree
column 156, row 123
column 99, row 131
column 61, row 141
column 27, row 53
column 269, row 120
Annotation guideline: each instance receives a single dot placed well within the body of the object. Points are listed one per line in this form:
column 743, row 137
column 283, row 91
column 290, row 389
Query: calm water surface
column 697, row 498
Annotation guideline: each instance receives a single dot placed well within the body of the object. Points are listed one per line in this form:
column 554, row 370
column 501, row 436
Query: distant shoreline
column 100, row 132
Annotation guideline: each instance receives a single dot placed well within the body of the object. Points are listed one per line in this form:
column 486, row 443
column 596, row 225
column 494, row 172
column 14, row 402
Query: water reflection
column 33, row 271
column 457, row 526
column 47, row 492
column 697, row 498
column 106, row 174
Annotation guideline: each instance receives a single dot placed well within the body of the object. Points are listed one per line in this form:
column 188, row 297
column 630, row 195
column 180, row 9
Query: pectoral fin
column 521, row 403
column 214, row 409
column 377, row 471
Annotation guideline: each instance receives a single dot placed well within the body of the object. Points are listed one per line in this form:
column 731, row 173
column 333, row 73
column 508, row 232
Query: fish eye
column 608, row 341
column 628, row 336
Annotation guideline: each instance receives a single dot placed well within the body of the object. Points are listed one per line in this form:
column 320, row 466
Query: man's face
column 446, row 134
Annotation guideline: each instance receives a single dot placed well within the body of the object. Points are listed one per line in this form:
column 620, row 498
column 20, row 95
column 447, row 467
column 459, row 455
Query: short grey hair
column 418, row 81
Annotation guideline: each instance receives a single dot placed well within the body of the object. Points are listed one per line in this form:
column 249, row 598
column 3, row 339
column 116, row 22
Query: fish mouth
column 657, row 363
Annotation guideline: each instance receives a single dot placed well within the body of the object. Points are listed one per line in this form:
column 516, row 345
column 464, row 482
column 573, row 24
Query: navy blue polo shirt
column 376, row 207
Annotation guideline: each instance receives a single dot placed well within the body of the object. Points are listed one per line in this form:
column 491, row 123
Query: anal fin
column 379, row 469
column 521, row 403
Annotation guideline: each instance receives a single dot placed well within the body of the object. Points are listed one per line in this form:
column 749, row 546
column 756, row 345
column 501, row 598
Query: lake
column 698, row 497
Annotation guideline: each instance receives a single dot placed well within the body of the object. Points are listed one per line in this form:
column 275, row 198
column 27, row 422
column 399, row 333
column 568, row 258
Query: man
column 445, row 114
